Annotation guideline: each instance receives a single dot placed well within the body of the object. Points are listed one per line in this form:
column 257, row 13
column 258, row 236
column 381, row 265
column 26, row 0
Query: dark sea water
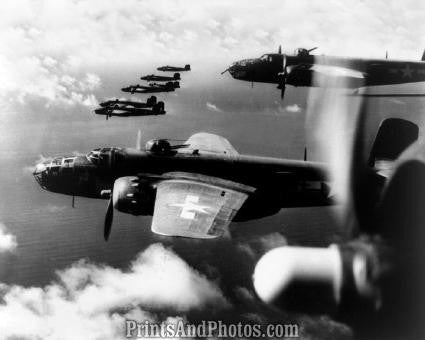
column 51, row 235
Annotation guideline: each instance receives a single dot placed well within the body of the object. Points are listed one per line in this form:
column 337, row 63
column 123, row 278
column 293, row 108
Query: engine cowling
column 133, row 196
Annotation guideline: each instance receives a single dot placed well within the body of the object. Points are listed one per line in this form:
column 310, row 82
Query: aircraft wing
column 210, row 143
column 337, row 71
column 196, row 206
column 319, row 71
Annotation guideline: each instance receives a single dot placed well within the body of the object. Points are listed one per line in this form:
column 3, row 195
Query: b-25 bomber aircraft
column 194, row 189
column 304, row 69
column 168, row 68
column 121, row 103
column 152, row 88
column 130, row 110
column 197, row 188
column 126, row 108
column 153, row 77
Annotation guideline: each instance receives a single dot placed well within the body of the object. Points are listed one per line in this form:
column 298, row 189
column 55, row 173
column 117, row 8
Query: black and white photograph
column 212, row 169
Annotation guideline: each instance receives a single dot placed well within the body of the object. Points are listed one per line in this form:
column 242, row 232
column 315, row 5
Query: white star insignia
column 407, row 71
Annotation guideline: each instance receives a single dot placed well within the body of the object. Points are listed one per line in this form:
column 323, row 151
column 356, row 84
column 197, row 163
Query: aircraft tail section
column 151, row 101
column 394, row 136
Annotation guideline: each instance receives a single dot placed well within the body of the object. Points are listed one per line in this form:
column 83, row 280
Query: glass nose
column 39, row 168
column 40, row 174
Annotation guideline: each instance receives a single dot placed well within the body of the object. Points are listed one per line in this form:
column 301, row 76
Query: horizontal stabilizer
column 394, row 136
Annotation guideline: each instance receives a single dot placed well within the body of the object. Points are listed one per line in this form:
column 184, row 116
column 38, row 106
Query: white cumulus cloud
column 213, row 107
column 90, row 301
column 293, row 108
column 7, row 241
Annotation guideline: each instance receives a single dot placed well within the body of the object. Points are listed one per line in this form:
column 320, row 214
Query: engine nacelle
column 133, row 196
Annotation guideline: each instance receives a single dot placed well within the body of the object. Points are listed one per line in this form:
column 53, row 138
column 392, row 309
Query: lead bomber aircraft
column 197, row 188
column 194, row 189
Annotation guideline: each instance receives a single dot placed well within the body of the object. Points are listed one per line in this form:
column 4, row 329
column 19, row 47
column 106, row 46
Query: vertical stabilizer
column 394, row 136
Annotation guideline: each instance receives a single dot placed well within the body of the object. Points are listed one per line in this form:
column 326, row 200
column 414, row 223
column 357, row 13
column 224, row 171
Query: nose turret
column 40, row 173
column 241, row 68
column 55, row 174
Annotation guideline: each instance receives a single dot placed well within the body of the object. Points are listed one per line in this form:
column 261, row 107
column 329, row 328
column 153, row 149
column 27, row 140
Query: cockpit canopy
column 66, row 162
column 96, row 155
column 270, row 57
column 243, row 62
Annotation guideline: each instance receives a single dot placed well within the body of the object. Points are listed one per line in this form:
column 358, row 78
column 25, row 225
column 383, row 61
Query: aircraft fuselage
column 376, row 71
column 278, row 181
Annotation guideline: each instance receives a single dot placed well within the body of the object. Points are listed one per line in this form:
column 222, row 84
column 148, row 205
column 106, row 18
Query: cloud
column 7, row 241
column 90, row 301
column 213, row 107
column 293, row 108
column 28, row 79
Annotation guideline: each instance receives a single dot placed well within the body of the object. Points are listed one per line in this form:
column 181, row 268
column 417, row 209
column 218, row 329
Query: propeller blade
column 312, row 49
column 333, row 143
column 108, row 219
column 280, row 49
column 282, row 91
column 226, row 70
column 139, row 140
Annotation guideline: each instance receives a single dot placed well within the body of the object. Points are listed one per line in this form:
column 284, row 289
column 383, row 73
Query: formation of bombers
column 152, row 107
column 374, row 281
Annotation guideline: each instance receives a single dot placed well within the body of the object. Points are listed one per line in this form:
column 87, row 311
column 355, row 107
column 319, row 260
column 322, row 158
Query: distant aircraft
column 194, row 189
column 127, row 108
column 301, row 68
column 152, row 88
column 174, row 68
column 119, row 103
column 154, row 77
